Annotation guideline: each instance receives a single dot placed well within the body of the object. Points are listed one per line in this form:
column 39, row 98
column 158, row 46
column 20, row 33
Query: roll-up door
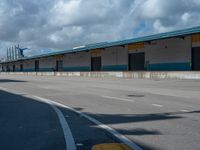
column 96, row 64
column 196, row 58
column 136, row 61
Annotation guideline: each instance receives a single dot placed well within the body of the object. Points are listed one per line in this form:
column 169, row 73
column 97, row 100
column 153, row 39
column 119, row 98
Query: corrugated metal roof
column 116, row 43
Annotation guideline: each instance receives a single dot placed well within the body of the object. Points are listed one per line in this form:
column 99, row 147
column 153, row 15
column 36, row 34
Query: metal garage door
column 21, row 67
column 196, row 58
column 59, row 65
column 96, row 64
column 36, row 65
column 136, row 61
column 13, row 68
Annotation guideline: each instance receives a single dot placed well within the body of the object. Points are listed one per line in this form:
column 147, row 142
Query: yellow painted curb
column 111, row 146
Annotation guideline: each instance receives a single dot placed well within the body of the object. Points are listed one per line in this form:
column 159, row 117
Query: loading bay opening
column 37, row 65
column 196, row 58
column 136, row 61
column 96, row 64
column 59, row 65
column 21, row 67
column 13, row 68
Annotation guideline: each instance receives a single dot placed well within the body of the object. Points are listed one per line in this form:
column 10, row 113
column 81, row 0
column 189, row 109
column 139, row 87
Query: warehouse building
column 172, row 51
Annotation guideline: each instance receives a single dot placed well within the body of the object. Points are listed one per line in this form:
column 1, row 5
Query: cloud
column 60, row 24
column 170, row 15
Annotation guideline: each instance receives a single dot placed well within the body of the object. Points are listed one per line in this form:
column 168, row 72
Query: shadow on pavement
column 126, row 118
column 9, row 80
column 27, row 123
column 139, row 132
column 132, row 118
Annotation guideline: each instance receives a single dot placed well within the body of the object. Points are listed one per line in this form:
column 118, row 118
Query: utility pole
column 15, row 52
column 10, row 54
column 12, row 51
column 7, row 55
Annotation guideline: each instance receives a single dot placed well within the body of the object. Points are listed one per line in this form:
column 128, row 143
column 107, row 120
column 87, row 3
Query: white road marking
column 70, row 144
column 4, row 89
column 69, row 140
column 79, row 144
column 65, row 126
column 184, row 110
column 117, row 98
column 122, row 138
column 157, row 105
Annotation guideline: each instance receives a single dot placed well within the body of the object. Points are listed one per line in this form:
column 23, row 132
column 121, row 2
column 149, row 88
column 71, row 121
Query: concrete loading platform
column 193, row 75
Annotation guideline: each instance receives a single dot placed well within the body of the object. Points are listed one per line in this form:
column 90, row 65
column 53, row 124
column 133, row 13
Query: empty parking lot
column 150, row 114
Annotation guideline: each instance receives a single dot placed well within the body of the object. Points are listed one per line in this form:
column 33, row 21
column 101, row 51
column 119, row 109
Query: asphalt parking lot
column 41, row 112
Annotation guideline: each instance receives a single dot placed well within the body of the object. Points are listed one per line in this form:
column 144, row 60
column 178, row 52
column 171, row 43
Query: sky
column 49, row 25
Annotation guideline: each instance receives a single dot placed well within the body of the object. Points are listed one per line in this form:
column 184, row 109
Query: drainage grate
column 135, row 95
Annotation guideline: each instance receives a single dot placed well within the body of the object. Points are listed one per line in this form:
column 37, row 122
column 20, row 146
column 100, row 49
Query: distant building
column 172, row 51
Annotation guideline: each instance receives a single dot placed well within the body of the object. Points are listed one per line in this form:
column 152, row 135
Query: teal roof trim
column 172, row 34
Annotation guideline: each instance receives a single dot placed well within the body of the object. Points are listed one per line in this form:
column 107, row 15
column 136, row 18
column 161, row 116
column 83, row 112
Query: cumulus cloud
column 60, row 24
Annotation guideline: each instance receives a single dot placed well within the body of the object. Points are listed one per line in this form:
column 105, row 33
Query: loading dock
column 59, row 65
column 21, row 67
column 136, row 61
column 37, row 65
column 96, row 64
column 13, row 69
column 7, row 68
column 196, row 58
column 172, row 51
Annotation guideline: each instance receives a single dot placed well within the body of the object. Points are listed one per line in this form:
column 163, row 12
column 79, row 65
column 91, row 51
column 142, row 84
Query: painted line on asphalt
column 69, row 140
column 115, row 133
column 3, row 89
column 117, row 98
column 157, row 105
column 184, row 110
column 112, row 131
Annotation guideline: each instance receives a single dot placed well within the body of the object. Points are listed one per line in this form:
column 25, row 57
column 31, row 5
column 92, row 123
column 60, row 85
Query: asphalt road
column 153, row 114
